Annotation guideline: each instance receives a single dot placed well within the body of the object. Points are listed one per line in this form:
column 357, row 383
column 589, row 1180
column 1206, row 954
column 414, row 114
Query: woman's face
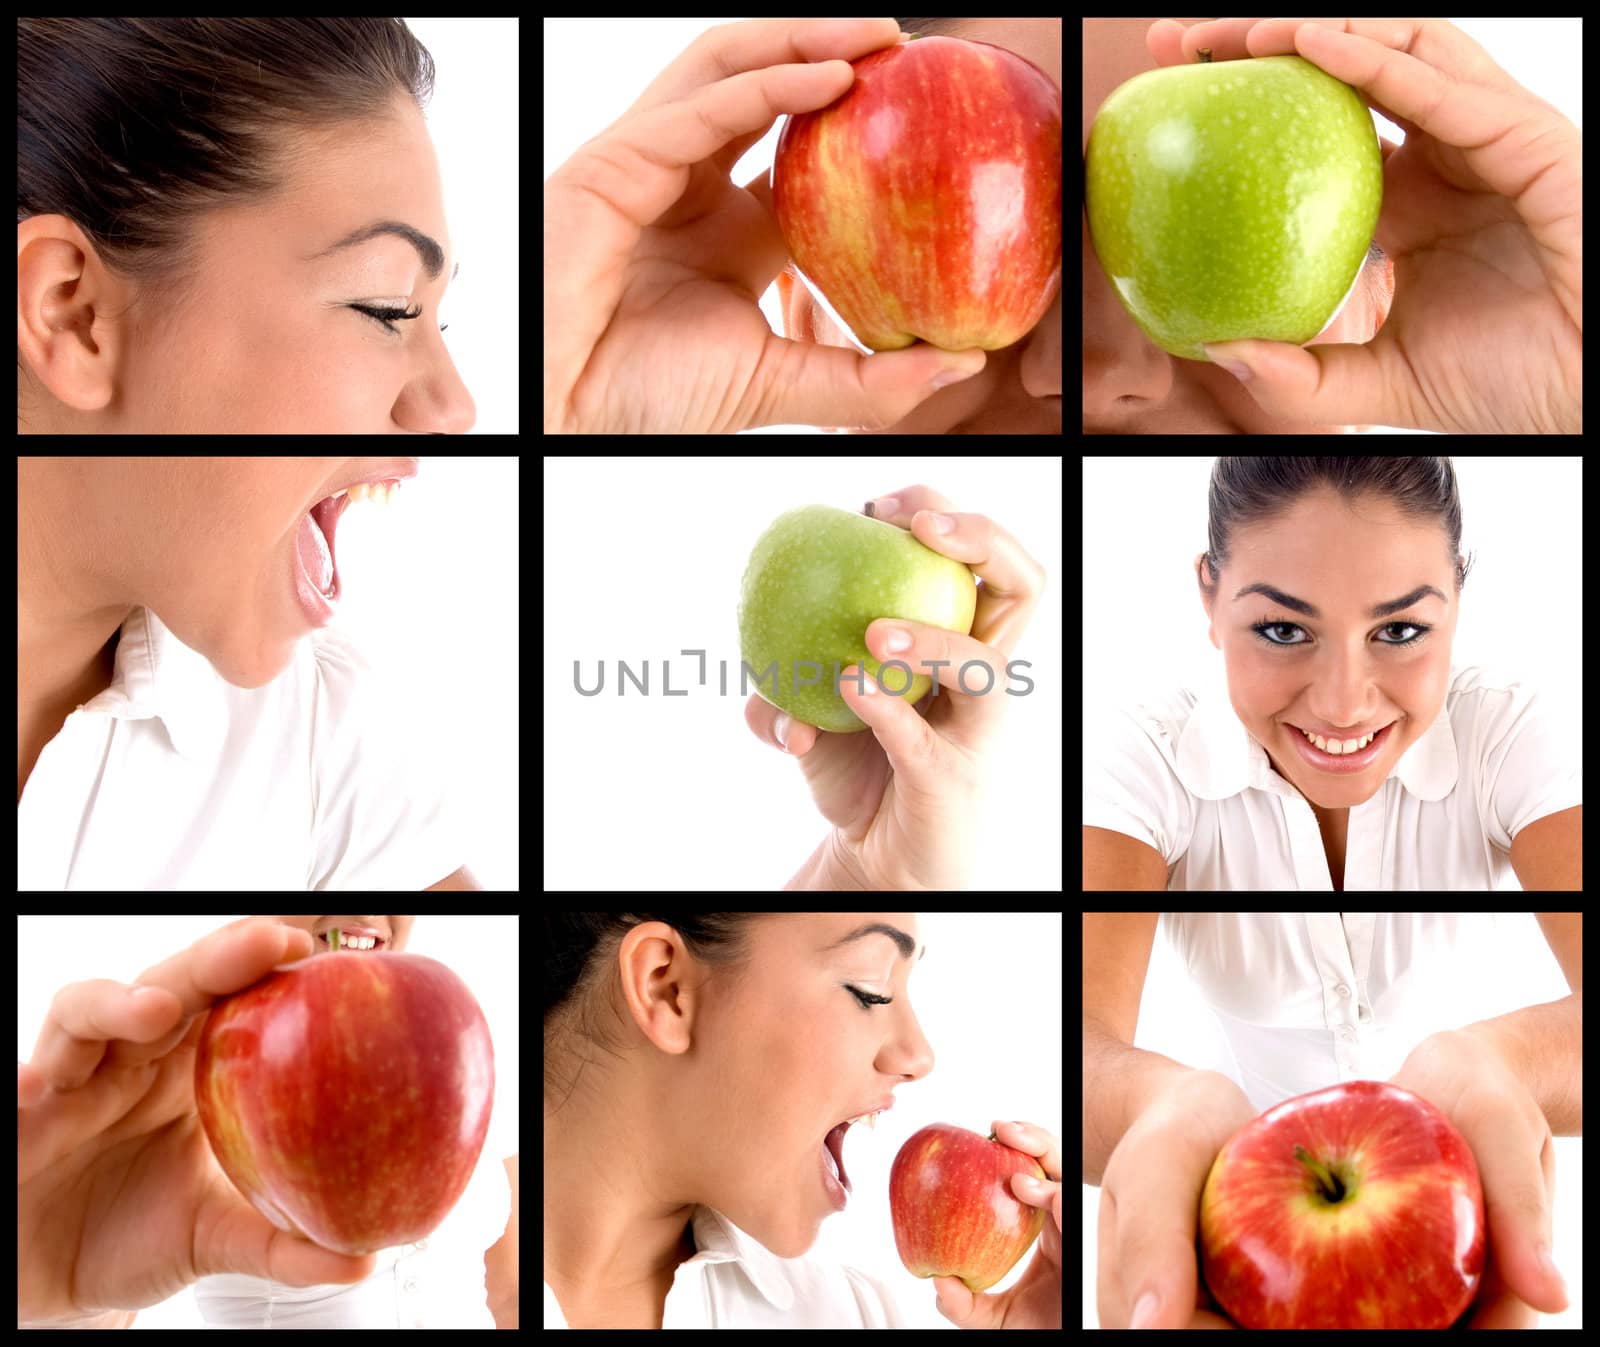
column 1356, row 663
column 215, row 547
column 750, row 1072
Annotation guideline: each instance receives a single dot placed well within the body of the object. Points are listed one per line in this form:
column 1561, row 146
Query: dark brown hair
column 132, row 127
column 580, row 968
column 1251, row 490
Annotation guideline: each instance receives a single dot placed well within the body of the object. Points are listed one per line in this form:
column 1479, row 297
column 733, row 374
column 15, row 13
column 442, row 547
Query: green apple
column 1233, row 199
column 817, row 577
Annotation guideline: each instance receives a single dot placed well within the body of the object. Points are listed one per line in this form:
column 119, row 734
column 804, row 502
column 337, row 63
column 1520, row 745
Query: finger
column 968, row 672
column 918, row 754
column 86, row 1019
column 87, row 1016
column 1012, row 581
column 232, row 1237
column 734, row 47
column 961, row 1306
column 1517, row 1201
column 779, row 728
column 1338, row 384
column 1032, row 1140
column 803, row 383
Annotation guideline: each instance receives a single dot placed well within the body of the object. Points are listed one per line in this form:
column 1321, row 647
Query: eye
column 388, row 317
column 868, row 1000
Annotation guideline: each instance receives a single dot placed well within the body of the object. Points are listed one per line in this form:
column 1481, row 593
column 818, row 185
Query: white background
column 431, row 597
column 1175, row 1021
column 473, row 120
column 643, row 560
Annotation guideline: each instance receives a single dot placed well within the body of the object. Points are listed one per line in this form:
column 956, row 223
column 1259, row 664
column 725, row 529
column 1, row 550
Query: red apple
column 348, row 1097
column 953, row 1210
column 926, row 202
column 1357, row 1206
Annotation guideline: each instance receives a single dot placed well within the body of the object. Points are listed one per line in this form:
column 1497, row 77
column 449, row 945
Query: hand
column 120, row 1203
column 1482, row 217
column 653, row 258
column 1035, row 1300
column 901, row 796
column 1463, row 1075
column 1150, row 1205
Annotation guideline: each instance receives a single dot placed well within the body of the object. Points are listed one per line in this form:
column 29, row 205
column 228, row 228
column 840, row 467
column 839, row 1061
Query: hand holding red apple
column 967, row 1207
column 119, row 1202
column 1147, row 1272
column 1355, row 1206
column 654, row 258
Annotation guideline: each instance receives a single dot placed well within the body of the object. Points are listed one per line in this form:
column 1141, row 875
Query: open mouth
column 353, row 942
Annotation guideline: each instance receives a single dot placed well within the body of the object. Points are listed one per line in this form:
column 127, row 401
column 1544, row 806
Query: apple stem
column 1205, row 55
column 1327, row 1181
column 333, row 941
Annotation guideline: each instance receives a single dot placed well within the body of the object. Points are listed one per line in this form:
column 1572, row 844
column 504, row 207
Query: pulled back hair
column 580, row 971
column 131, row 128
column 1249, row 490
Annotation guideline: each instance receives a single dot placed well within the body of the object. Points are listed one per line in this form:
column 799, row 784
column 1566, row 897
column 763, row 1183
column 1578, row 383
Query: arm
column 824, row 870
column 1119, row 1080
column 1548, row 853
column 1543, row 1045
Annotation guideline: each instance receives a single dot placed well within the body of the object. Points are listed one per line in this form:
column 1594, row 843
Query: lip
column 1345, row 763
column 882, row 1106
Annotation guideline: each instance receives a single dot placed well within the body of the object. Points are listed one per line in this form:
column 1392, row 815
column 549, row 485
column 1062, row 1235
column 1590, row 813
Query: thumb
column 961, row 1307
column 232, row 1237
column 1329, row 385
column 835, row 386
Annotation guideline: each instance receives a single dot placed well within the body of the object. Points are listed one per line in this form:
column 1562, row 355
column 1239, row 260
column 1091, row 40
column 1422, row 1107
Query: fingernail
column 896, row 638
column 1145, row 1310
column 879, row 509
column 941, row 523
column 945, row 377
column 1028, row 1182
column 1237, row 368
column 780, row 727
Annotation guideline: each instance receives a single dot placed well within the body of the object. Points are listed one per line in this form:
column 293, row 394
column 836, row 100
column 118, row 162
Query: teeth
column 1339, row 747
column 354, row 941
column 871, row 1119
column 379, row 493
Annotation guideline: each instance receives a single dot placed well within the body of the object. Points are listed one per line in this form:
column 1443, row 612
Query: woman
column 696, row 1064
column 1349, row 752
column 175, row 726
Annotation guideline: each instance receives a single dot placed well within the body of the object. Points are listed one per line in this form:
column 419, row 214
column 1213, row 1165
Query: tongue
column 834, row 1141
column 314, row 555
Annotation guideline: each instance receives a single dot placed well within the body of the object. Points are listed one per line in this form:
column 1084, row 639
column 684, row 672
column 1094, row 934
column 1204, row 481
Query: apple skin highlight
column 1355, row 1206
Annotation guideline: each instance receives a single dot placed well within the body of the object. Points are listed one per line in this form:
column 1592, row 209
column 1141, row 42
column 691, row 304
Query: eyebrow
column 431, row 253
column 904, row 942
column 1381, row 610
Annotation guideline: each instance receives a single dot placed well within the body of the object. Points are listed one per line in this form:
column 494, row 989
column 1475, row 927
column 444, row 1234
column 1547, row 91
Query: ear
column 65, row 296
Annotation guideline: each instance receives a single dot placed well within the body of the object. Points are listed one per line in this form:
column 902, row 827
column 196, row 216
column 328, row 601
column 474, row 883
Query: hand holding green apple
column 1482, row 219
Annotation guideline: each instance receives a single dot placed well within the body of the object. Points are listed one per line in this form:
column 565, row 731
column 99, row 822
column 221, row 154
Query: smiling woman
column 1346, row 750
column 172, row 173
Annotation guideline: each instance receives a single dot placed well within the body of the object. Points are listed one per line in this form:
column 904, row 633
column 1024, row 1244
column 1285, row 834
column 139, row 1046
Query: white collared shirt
column 1309, row 999
column 1184, row 776
column 173, row 778
column 734, row 1282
